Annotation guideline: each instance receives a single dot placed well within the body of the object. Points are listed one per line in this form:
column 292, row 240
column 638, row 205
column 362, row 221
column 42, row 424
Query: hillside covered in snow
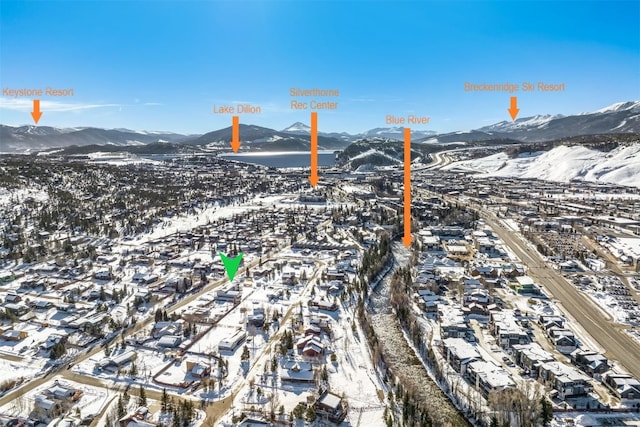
column 564, row 163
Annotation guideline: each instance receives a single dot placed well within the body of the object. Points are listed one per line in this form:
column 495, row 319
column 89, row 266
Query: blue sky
column 161, row 65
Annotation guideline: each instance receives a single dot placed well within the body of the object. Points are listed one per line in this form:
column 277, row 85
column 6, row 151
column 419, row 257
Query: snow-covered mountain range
column 395, row 133
column 33, row 138
column 623, row 117
column 563, row 163
column 265, row 139
column 300, row 128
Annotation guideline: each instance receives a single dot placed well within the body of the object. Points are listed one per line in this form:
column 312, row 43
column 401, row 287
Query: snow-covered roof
column 493, row 375
column 330, row 400
column 461, row 349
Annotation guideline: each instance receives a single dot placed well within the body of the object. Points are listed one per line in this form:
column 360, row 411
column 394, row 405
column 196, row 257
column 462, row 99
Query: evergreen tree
column 57, row 351
column 120, row 407
column 165, row 400
column 547, row 411
column 245, row 353
column 310, row 414
column 142, row 398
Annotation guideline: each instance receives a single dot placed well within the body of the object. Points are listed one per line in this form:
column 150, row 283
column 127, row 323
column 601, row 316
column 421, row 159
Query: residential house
column 431, row 243
column 335, row 274
column 114, row 362
column 531, row 356
column 459, row 353
column 452, row 322
column 103, row 275
column 564, row 339
column 484, row 271
column 42, row 305
column 591, row 362
column 13, row 298
column 511, row 270
column 332, row 406
column 566, row 380
column 548, row 322
column 61, row 391
column 322, row 304
column 624, row 386
column 296, row 371
column 525, row 285
column 476, row 311
column 46, row 409
column 17, row 309
column 230, row 294
column 14, row 335
column 169, row 341
column 198, row 369
column 456, row 250
column 488, row 376
column 313, row 347
column 232, row 342
column 140, row 418
column 504, row 326
column 161, row 329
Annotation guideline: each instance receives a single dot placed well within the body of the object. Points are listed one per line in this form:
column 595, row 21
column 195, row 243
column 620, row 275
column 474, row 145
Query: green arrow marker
column 231, row 264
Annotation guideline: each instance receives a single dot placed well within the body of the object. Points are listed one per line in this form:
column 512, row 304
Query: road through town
column 617, row 344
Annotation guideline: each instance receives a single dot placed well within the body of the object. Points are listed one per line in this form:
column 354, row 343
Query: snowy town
column 268, row 213
column 117, row 308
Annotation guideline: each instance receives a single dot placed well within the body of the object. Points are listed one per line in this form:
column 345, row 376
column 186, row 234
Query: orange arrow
column 314, row 178
column 235, row 134
column 407, row 239
column 514, row 110
column 36, row 114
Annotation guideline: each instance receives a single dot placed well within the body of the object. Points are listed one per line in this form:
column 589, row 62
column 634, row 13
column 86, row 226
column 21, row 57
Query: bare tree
column 274, row 403
column 518, row 406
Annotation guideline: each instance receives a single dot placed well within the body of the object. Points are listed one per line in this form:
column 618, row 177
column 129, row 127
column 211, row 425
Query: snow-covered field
column 627, row 245
column 13, row 370
column 121, row 159
column 619, row 166
column 17, row 197
column 373, row 151
column 186, row 222
column 579, row 419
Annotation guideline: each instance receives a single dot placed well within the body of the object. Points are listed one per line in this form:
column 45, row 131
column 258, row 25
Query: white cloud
column 51, row 106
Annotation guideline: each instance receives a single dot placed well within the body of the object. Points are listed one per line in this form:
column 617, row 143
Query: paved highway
column 617, row 344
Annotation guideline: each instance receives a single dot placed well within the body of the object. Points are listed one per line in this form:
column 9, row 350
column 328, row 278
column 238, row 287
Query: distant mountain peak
column 537, row 121
column 396, row 132
column 144, row 132
column 620, row 106
column 297, row 127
